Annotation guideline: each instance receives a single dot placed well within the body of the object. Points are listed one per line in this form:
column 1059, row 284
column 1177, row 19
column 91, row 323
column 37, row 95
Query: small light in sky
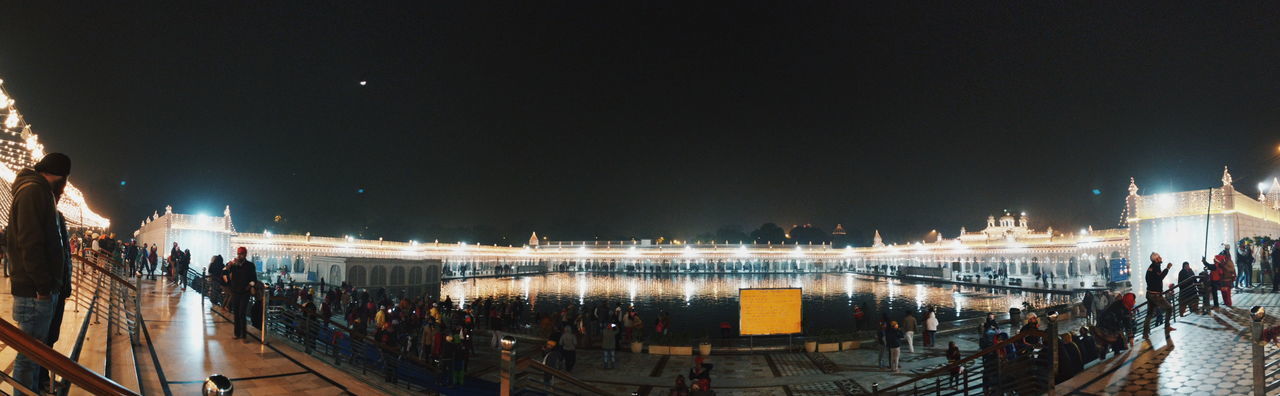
column 1097, row 192
column 359, row 191
column 122, row 183
column 363, row 83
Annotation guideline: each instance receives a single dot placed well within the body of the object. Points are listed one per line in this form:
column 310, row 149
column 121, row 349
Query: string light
column 17, row 155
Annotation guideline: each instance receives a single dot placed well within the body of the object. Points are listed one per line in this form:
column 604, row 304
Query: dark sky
column 644, row 118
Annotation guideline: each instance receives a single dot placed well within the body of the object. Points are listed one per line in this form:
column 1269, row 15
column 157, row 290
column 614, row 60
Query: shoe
column 1168, row 329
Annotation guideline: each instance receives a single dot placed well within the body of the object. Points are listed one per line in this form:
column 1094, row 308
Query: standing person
column 37, row 247
column 893, row 341
column 1244, row 263
column 930, row 328
column 241, row 276
column 461, row 353
column 1155, row 291
column 991, row 323
column 175, row 254
column 881, row 331
column 909, row 328
column 1215, row 282
column 569, row 344
column 1189, row 294
column 858, row 314
column 131, row 255
column 609, row 344
column 552, row 357
column 215, row 273
column 1228, row 268
column 184, row 262
column 142, row 259
column 953, row 356
column 1086, row 303
column 152, row 260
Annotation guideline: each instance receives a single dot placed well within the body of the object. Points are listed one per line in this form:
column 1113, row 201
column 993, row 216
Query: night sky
column 579, row 119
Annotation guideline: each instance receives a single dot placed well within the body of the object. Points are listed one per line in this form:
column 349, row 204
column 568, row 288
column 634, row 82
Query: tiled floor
column 796, row 373
column 1207, row 355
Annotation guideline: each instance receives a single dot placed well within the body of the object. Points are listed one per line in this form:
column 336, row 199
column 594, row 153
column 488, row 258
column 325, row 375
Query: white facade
column 1188, row 225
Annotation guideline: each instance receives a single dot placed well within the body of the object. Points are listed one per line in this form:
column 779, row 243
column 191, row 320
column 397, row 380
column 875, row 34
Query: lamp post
column 507, row 367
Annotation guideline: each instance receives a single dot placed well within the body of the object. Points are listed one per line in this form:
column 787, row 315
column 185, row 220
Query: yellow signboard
column 769, row 311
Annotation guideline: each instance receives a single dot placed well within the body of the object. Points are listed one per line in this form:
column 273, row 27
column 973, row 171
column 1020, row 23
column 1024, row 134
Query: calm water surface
column 699, row 302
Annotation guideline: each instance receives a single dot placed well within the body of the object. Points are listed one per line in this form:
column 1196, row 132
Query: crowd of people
column 892, row 334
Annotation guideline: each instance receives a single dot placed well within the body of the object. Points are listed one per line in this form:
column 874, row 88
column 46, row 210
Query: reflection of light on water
column 819, row 291
column 848, row 286
column 919, row 296
column 524, row 287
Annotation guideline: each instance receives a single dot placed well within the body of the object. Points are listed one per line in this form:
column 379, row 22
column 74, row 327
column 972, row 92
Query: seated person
column 680, row 389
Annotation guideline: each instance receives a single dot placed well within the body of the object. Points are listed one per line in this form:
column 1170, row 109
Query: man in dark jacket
column 131, row 256
column 215, row 273
column 36, row 243
column 1155, row 292
column 1190, row 291
column 184, row 262
column 241, row 276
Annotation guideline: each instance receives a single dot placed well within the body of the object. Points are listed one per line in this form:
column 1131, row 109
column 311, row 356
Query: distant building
column 1007, row 251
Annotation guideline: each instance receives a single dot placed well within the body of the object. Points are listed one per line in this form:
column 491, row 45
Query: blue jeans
column 33, row 317
column 609, row 360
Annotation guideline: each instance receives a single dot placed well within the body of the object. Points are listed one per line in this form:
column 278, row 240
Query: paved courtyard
column 1209, row 354
column 782, row 373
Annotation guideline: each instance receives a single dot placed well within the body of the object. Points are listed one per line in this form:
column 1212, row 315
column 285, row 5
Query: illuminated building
column 21, row 148
column 1006, row 252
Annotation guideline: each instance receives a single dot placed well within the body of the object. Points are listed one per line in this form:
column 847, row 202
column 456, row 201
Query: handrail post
column 137, row 309
column 507, row 366
column 1053, row 345
column 1259, row 352
column 265, row 302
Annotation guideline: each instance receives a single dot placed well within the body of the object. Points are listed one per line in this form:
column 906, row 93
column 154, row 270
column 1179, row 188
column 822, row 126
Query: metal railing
column 534, row 378
column 1011, row 366
column 120, row 301
column 990, row 371
column 98, row 288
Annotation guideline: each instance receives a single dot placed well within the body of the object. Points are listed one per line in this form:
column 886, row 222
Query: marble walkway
column 192, row 342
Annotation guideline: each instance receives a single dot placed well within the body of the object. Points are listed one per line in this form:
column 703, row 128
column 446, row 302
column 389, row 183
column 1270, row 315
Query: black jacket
column 1155, row 278
column 1188, row 288
column 215, row 270
column 35, row 238
column 239, row 274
